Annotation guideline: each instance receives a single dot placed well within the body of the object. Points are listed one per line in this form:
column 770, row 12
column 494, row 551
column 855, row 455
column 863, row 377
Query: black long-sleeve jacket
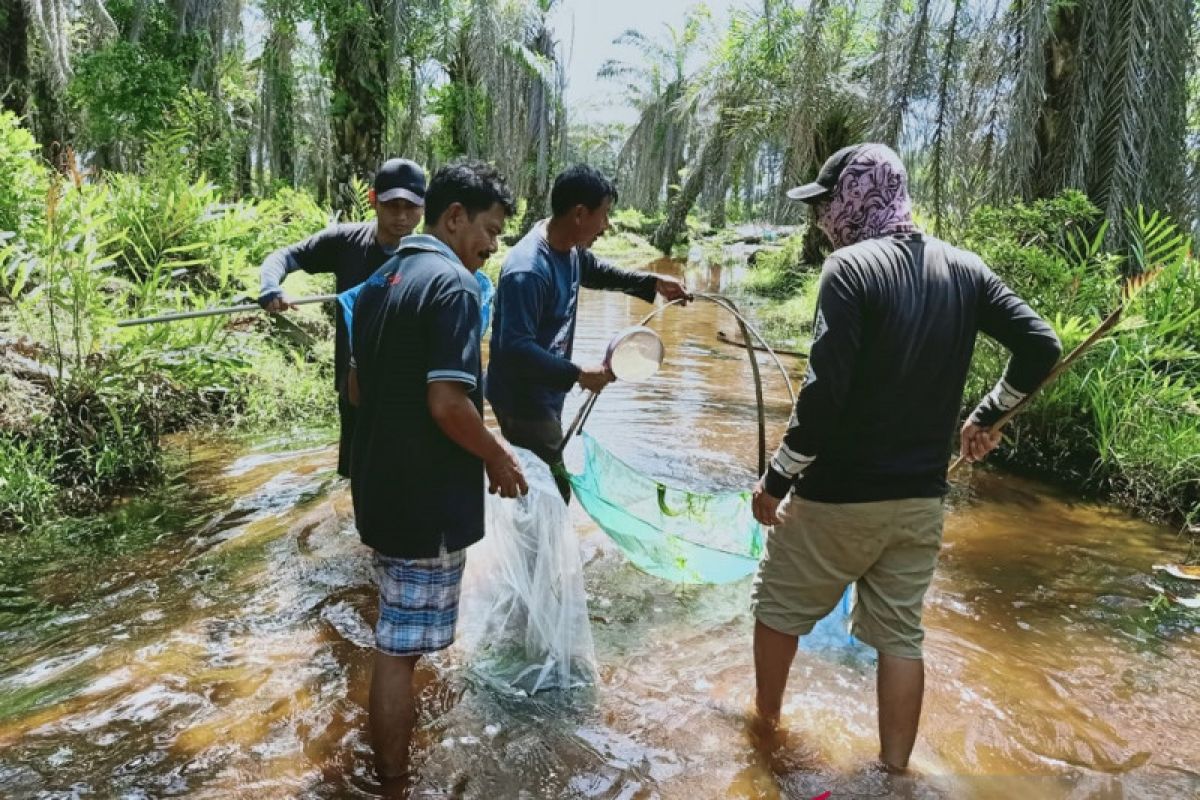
column 894, row 334
column 349, row 250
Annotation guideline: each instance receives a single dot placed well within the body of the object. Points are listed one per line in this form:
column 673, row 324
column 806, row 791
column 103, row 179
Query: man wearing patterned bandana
column 863, row 463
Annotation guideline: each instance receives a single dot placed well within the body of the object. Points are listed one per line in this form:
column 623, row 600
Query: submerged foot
column 782, row 750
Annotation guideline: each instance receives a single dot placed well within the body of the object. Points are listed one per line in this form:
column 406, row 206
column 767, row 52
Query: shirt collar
column 429, row 244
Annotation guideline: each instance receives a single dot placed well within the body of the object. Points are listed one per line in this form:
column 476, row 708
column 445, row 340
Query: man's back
column 416, row 321
column 892, row 346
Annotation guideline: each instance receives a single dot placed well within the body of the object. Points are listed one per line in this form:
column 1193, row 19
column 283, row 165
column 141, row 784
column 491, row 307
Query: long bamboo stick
column 1130, row 289
column 212, row 312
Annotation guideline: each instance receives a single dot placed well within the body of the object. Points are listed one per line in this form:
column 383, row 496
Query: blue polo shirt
column 416, row 320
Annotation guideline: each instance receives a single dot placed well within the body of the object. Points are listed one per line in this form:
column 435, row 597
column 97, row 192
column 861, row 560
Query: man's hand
column 595, row 378
column 765, row 506
column 504, row 473
column 977, row 442
column 277, row 304
column 672, row 289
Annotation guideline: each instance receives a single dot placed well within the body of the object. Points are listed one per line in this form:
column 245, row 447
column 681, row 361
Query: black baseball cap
column 400, row 178
column 827, row 178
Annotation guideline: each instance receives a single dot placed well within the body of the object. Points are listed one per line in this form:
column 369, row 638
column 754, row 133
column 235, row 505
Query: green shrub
column 127, row 246
column 1049, row 252
column 631, row 220
column 287, row 216
column 780, row 272
column 23, row 177
column 27, row 491
column 1125, row 419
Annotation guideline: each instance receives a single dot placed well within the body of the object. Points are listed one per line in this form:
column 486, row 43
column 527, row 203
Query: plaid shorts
column 418, row 602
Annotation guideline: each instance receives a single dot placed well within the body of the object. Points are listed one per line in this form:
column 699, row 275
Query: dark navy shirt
column 892, row 343
column 349, row 250
column 533, row 333
column 416, row 321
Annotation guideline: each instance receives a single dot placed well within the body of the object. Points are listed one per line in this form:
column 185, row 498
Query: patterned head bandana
column 870, row 199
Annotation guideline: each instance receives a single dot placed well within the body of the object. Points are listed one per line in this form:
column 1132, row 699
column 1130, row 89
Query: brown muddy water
column 230, row 659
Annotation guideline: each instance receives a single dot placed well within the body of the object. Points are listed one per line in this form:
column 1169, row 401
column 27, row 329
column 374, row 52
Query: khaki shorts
column 888, row 549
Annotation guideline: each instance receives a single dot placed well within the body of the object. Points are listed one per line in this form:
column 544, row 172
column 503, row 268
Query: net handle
column 747, row 328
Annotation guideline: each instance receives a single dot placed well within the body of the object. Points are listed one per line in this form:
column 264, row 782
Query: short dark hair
column 474, row 184
column 580, row 185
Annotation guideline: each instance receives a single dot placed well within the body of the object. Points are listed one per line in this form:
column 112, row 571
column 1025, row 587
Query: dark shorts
column 542, row 437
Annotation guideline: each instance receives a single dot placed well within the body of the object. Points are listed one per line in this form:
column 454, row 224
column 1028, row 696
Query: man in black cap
column 352, row 252
column 854, row 492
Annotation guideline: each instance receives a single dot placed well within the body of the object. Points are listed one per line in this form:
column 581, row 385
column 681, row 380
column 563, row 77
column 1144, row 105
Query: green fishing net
column 690, row 537
column 675, row 534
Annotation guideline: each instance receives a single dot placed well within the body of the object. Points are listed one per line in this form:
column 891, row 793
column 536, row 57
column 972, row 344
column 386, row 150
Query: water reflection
column 230, row 659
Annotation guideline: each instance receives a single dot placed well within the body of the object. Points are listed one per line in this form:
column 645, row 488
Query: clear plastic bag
column 524, row 617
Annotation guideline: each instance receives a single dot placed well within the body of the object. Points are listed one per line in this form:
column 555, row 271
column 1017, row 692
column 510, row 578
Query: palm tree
column 277, row 95
column 1114, row 118
column 781, row 81
column 14, row 59
column 357, row 56
column 657, row 85
column 505, row 93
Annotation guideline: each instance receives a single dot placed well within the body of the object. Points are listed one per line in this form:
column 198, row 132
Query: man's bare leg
column 773, row 655
column 900, row 687
column 393, row 714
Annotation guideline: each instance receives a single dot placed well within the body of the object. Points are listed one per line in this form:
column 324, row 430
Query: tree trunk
column 14, row 59
column 50, row 121
column 814, row 246
column 358, row 57
column 412, row 118
column 1061, row 54
column 915, row 62
column 939, row 134
column 748, row 185
column 280, row 89
column 672, row 227
column 715, row 197
column 718, row 216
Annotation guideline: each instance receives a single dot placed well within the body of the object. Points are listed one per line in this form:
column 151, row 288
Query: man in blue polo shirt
column 420, row 444
column 537, row 301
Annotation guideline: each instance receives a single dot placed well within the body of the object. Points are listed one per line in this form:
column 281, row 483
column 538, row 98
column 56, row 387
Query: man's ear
column 455, row 216
column 371, row 198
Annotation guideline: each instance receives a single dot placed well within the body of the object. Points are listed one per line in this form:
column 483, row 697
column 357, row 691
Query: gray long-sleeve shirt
column 894, row 335
column 349, row 250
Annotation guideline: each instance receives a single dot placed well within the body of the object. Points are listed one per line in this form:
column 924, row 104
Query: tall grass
column 96, row 249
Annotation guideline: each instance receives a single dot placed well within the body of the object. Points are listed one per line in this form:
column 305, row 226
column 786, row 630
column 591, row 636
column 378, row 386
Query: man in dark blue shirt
column 530, row 369
column 352, row 252
column 420, row 445
column 864, row 459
